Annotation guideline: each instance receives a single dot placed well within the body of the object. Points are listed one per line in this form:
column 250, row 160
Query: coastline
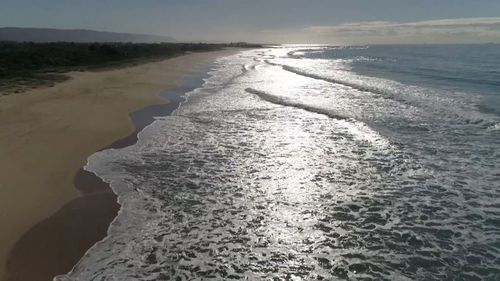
column 83, row 118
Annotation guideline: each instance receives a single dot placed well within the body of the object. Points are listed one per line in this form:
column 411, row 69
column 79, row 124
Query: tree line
column 28, row 59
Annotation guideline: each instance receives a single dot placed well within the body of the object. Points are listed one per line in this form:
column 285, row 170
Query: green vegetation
column 23, row 65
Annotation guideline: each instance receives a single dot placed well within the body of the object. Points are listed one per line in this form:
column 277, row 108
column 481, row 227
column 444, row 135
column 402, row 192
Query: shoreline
column 32, row 65
column 96, row 198
column 142, row 118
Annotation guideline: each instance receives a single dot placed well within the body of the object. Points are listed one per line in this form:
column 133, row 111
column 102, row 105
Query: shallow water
column 296, row 163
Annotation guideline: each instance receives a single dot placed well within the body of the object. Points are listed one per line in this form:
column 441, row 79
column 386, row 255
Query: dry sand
column 47, row 134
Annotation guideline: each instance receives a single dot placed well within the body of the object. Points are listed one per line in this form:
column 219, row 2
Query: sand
column 46, row 136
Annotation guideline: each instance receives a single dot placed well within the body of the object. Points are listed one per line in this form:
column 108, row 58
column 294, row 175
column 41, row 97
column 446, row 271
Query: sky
column 270, row 21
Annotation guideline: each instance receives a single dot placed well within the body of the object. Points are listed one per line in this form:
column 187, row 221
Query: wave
column 426, row 99
column 359, row 87
column 494, row 127
column 249, row 67
column 286, row 102
column 364, row 88
column 355, row 127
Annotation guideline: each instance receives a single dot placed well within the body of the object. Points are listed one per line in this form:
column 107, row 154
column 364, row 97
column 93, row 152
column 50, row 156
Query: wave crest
column 286, row 102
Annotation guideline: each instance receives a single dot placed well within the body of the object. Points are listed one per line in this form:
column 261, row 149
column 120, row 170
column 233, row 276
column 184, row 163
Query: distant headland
column 44, row 35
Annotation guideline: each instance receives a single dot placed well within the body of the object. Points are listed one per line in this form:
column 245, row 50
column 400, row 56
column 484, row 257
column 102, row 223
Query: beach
column 46, row 136
column 313, row 163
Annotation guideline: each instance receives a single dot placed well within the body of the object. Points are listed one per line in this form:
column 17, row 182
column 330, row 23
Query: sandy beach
column 46, row 136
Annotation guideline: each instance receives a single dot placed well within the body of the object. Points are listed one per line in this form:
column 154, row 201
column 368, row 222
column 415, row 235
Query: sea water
column 315, row 163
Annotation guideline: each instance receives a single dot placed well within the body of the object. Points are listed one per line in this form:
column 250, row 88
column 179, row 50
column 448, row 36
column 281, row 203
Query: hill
column 44, row 35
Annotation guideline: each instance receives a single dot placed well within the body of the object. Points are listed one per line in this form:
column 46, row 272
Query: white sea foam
column 269, row 173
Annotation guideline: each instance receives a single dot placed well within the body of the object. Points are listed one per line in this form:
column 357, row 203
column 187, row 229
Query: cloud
column 464, row 30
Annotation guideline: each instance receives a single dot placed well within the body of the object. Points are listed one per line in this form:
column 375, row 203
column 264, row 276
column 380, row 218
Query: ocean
column 304, row 162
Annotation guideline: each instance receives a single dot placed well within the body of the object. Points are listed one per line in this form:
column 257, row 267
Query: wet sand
column 46, row 135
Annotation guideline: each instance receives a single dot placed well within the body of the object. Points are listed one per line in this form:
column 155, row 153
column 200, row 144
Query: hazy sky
column 276, row 21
